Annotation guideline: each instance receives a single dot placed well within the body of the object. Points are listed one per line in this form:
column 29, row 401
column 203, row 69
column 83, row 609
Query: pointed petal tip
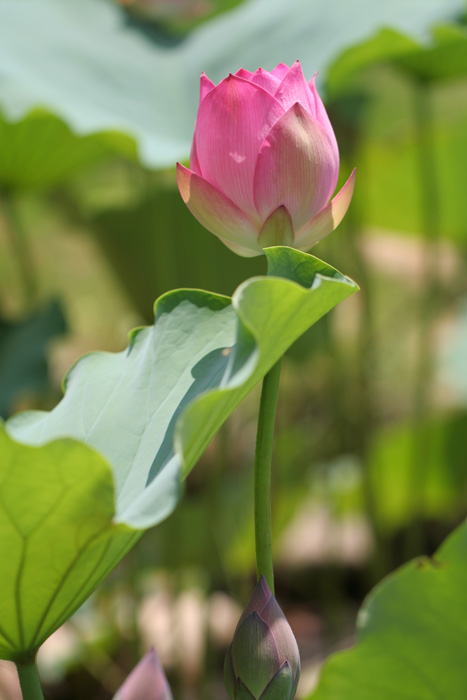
column 183, row 181
column 295, row 88
column 311, row 82
column 262, row 582
column 205, row 86
column 280, row 685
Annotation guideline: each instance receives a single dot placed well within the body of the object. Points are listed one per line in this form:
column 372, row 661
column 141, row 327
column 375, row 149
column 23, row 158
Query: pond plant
column 81, row 483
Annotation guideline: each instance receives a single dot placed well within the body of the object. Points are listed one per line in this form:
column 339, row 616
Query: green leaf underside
column 412, row 635
column 62, row 527
column 181, row 378
column 58, row 540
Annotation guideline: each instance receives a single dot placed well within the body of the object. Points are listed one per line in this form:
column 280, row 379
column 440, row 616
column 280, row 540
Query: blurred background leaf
column 41, row 150
column 113, row 74
column 402, row 493
column 23, row 355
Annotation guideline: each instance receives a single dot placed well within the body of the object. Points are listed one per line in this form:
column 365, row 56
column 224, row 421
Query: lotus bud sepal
column 263, row 661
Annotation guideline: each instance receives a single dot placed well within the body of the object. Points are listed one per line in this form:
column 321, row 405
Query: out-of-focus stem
column 19, row 246
column 29, row 681
column 263, row 459
column 429, row 216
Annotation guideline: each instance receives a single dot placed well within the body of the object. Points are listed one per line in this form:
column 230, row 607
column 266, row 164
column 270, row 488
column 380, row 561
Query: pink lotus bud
column 264, row 162
column 263, row 662
column 147, row 681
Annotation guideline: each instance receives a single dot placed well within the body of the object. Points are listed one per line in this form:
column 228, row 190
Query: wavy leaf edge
column 287, row 267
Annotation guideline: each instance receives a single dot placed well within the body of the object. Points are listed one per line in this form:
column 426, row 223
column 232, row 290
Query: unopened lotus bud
column 263, row 661
column 147, row 681
column 264, row 162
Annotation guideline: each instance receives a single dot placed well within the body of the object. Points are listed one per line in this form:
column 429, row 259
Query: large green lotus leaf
column 40, row 149
column 411, row 636
column 182, row 377
column 58, row 539
column 88, row 64
column 23, row 348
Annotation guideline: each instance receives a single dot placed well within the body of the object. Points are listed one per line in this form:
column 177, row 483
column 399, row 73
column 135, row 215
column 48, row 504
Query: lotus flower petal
column 322, row 117
column 266, row 80
column 238, row 249
column 205, row 86
column 215, row 211
column 280, row 71
column 266, row 160
column 244, row 73
column 327, row 219
column 232, row 122
column 147, row 680
column 194, row 164
column 294, row 88
column 295, row 168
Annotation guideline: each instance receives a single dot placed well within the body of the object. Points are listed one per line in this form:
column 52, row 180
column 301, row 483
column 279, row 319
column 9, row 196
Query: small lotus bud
column 147, row 681
column 263, row 661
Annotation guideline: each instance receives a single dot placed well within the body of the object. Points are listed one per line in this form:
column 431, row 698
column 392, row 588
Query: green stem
column 263, row 458
column 29, row 681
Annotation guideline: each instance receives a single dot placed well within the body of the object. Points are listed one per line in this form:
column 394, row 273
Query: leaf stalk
column 29, row 681
column 263, row 460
